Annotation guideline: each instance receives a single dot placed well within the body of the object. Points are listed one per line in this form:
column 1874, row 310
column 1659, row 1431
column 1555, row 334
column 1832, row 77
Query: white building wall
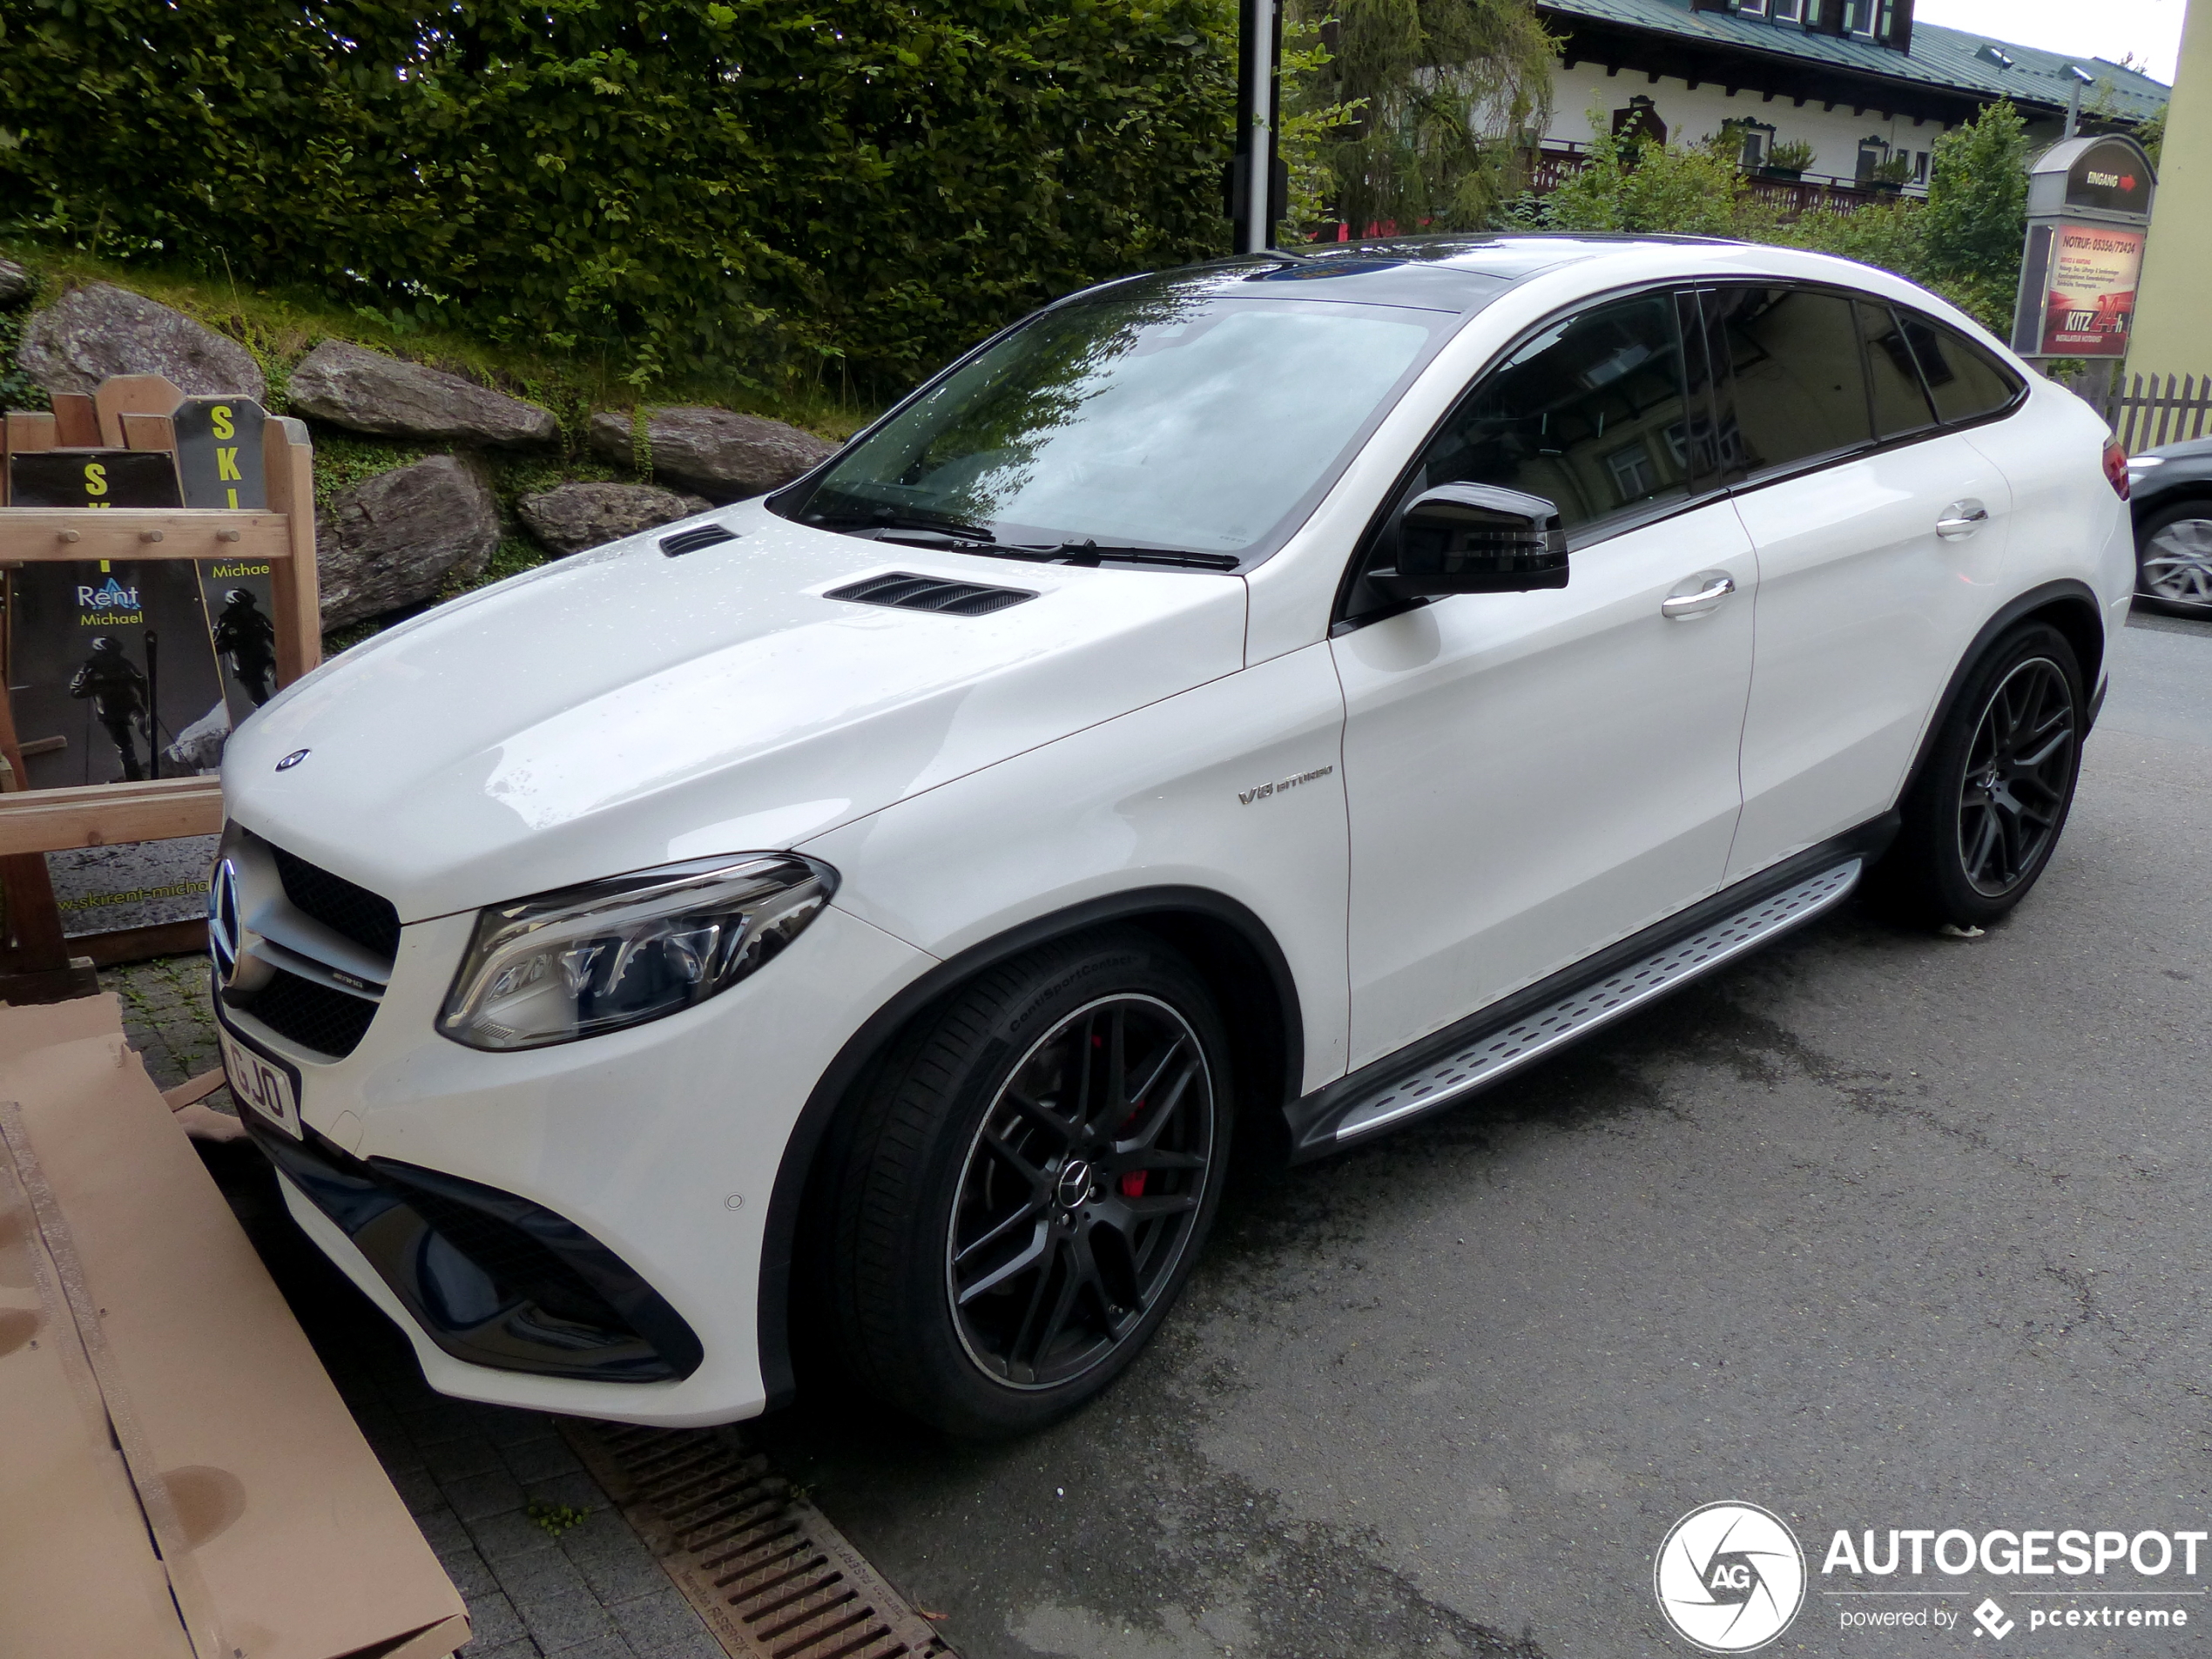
column 1691, row 115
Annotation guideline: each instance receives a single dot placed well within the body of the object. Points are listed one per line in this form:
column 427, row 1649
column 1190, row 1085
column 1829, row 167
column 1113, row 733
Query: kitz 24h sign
column 2089, row 206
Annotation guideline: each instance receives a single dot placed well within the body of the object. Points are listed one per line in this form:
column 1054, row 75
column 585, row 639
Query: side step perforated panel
column 1490, row 1058
column 770, row 1577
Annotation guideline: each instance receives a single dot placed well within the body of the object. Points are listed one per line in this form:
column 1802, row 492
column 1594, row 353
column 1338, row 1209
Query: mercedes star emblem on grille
column 222, row 920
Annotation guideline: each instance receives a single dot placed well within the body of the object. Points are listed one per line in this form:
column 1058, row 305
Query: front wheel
column 1020, row 1192
column 1984, row 814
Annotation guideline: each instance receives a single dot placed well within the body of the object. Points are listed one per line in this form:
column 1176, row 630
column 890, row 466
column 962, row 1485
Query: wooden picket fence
column 2145, row 412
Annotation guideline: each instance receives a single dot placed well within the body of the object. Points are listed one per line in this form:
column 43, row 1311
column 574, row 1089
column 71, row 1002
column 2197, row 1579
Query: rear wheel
column 1985, row 815
column 2174, row 558
column 1022, row 1188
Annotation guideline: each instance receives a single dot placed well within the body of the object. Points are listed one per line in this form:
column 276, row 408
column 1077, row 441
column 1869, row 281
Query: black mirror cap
column 1474, row 538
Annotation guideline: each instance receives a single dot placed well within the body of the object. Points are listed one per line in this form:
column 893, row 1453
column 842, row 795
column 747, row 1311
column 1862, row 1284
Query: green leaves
column 682, row 184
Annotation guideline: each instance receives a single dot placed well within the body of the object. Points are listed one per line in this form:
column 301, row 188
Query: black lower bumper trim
column 493, row 1280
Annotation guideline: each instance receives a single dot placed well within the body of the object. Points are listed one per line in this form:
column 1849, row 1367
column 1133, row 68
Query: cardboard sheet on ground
column 179, row 1476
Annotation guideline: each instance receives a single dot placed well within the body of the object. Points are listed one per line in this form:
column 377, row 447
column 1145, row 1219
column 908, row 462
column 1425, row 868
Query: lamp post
column 1258, row 182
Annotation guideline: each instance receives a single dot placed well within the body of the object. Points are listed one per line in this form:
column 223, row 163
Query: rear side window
column 1593, row 414
column 1799, row 391
column 1964, row 381
column 1900, row 407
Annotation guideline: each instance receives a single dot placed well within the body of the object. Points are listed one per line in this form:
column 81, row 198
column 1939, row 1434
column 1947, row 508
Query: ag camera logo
column 1730, row 1578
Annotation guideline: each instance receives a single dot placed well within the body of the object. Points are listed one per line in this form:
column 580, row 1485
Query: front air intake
column 905, row 591
column 692, row 540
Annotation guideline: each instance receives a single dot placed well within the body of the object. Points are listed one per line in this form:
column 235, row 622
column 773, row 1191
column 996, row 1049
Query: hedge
column 683, row 185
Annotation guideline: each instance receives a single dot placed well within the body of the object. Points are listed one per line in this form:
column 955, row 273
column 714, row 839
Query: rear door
column 1879, row 537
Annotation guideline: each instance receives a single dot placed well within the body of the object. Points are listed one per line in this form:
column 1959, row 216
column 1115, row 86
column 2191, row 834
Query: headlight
column 631, row 949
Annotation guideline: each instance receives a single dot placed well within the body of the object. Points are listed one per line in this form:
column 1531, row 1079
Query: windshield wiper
column 1095, row 552
column 902, row 524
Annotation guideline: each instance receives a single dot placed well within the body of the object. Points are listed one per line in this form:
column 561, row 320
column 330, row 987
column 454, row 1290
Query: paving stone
column 483, row 1495
column 534, row 1461
column 508, row 1533
column 662, row 1619
column 577, row 1491
column 701, row 1644
column 469, row 1573
column 523, row 1649
column 507, row 1427
column 564, row 1622
column 452, row 1460
column 444, row 1529
column 612, row 1558
column 604, row 1647
column 493, row 1620
column 418, row 1489
column 543, row 1575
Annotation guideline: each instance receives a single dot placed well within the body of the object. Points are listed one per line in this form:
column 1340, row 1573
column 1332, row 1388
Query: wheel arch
column 1229, row 946
column 2069, row 606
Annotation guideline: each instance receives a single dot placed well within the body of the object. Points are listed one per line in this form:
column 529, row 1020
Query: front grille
column 905, row 591
column 315, row 1016
column 369, row 920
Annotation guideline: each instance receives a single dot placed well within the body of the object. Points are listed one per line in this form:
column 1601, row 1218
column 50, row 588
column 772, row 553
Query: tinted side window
column 1592, row 414
column 1798, row 388
column 1966, row 382
column 1900, row 407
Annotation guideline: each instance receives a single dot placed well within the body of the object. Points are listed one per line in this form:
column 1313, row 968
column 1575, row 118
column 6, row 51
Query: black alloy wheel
column 1081, row 1191
column 2019, row 777
column 1983, row 815
column 1009, row 1203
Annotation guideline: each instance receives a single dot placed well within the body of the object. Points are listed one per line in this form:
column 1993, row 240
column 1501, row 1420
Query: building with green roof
column 1857, row 80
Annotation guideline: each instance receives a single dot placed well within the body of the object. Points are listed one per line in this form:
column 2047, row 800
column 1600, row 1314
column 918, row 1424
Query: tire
column 1983, row 817
column 1006, row 1230
column 2174, row 559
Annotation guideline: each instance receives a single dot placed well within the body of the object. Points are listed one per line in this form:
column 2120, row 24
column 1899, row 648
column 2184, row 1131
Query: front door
column 1533, row 776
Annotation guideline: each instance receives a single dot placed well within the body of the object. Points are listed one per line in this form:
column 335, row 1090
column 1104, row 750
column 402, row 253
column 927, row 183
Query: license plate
column 266, row 1088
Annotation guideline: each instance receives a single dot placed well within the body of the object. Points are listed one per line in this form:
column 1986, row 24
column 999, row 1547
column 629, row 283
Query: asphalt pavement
column 1876, row 1229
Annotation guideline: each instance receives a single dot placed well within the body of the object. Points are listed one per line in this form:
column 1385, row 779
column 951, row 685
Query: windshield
column 1154, row 420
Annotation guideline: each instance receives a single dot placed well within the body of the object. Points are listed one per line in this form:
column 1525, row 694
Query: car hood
column 621, row 709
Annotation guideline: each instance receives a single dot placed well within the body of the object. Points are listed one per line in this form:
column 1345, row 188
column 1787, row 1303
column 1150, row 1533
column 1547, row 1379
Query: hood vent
column 906, row 591
column 692, row 540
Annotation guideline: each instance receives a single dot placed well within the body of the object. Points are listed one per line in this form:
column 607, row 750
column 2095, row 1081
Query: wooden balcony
column 1557, row 161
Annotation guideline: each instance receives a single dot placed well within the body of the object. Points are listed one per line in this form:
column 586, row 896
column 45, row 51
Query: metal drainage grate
column 770, row 1577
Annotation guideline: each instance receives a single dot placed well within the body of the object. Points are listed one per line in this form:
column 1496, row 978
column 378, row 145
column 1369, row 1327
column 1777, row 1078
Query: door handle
column 1679, row 607
column 1961, row 519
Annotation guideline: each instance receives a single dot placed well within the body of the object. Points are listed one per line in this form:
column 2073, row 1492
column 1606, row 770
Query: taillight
column 2116, row 467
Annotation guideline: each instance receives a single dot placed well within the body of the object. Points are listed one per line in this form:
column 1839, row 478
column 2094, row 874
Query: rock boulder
column 15, row 282
column 367, row 391
column 393, row 540
column 99, row 330
column 719, row 453
column 572, row 518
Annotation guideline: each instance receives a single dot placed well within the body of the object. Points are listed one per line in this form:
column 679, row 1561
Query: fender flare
column 787, row 1198
column 2071, row 592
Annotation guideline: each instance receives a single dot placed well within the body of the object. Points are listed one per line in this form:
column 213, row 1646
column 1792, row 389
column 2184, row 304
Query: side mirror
column 1472, row 538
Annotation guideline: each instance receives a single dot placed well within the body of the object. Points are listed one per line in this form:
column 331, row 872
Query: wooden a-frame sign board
column 132, row 412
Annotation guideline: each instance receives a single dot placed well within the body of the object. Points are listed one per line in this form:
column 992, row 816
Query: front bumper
column 639, row 1163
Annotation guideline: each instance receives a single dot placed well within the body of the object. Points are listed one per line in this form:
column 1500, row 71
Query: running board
column 1482, row 1062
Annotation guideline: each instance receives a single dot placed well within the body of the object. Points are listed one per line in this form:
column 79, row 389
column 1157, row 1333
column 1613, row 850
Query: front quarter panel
column 1236, row 786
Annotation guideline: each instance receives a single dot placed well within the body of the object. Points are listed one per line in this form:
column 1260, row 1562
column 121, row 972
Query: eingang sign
column 2088, row 207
